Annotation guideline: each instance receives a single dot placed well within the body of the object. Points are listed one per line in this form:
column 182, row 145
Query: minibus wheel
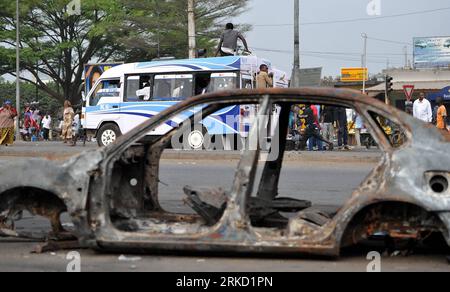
column 108, row 134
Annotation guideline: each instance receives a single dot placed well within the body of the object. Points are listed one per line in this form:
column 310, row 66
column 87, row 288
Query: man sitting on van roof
column 228, row 41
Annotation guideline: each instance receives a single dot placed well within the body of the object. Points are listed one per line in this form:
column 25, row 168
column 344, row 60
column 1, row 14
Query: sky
column 344, row 40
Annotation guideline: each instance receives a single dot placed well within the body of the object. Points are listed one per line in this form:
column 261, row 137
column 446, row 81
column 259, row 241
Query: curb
column 322, row 157
column 334, row 157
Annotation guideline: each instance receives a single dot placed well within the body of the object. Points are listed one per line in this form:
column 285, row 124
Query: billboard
column 444, row 93
column 431, row 52
column 92, row 73
column 310, row 77
column 354, row 74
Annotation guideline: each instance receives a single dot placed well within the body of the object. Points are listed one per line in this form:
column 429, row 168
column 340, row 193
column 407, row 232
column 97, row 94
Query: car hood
column 47, row 174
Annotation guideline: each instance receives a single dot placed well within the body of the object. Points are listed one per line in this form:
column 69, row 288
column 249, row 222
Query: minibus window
column 247, row 83
column 222, row 81
column 172, row 87
column 138, row 88
column 106, row 88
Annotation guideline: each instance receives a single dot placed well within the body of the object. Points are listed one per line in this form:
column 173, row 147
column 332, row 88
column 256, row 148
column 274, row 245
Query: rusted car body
column 405, row 197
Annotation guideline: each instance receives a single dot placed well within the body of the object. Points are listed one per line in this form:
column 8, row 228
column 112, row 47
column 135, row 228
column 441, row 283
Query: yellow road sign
column 354, row 74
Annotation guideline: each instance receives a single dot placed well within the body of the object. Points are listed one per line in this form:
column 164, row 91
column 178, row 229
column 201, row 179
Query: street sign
column 354, row 74
column 409, row 91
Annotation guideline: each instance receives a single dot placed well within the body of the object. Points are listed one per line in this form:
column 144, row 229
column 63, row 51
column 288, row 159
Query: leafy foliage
column 55, row 45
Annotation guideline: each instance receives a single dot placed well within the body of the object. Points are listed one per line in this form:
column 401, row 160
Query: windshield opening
column 105, row 89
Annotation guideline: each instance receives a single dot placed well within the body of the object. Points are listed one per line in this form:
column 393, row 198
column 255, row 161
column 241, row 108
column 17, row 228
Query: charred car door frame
column 150, row 155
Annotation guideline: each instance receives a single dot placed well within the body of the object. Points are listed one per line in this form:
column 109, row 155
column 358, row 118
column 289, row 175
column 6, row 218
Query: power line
column 355, row 54
column 352, row 57
column 346, row 59
column 389, row 41
column 356, row 19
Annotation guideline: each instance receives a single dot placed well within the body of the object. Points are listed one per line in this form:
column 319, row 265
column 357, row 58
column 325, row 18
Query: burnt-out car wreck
column 112, row 194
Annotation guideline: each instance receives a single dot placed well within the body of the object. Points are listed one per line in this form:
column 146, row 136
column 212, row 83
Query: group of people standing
column 422, row 110
column 315, row 125
column 33, row 124
column 36, row 125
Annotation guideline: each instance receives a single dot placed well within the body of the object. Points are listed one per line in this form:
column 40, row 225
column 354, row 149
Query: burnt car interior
column 136, row 202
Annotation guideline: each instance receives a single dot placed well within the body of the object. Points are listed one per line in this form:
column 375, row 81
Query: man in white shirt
column 46, row 126
column 422, row 109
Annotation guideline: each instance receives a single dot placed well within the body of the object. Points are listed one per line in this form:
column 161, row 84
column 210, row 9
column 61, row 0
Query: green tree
column 56, row 45
column 159, row 28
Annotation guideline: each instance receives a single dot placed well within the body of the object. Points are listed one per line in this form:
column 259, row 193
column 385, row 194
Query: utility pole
column 295, row 82
column 191, row 29
column 18, row 136
column 406, row 56
column 37, row 74
column 364, row 62
column 158, row 34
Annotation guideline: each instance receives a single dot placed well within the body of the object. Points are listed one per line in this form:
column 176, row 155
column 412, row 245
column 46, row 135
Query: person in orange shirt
column 441, row 115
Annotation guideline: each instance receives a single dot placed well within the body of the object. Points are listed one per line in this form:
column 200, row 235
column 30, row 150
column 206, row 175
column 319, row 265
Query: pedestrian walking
column 69, row 114
column 36, row 115
column 7, row 115
column 441, row 117
column 229, row 41
column 46, row 126
column 264, row 78
column 342, row 126
column 358, row 122
column 27, row 117
column 30, row 124
column 76, row 126
column 313, row 141
column 327, row 120
column 422, row 109
column 312, row 130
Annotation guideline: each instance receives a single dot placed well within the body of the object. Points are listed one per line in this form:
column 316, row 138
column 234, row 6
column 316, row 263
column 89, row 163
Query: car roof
column 323, row 95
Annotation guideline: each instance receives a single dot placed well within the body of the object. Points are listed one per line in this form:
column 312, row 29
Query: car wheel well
column 398, row 220
column 34, row 200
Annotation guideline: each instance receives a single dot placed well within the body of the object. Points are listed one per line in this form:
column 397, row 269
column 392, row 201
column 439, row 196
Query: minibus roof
column 234, row 63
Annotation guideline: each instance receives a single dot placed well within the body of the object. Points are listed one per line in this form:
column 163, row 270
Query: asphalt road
column 322, row 183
